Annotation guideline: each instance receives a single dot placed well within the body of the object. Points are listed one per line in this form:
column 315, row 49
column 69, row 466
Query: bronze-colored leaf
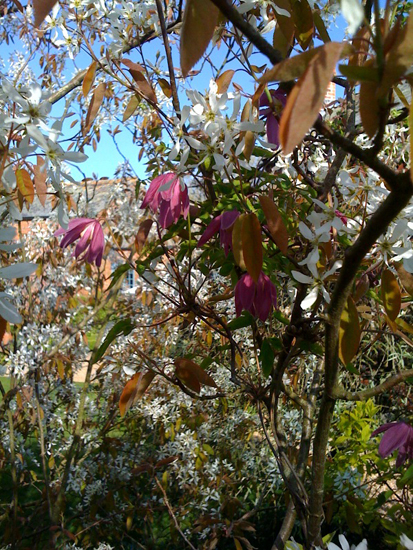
column 224, row 80
column 134, row 389
column 405, row 277
column 94, row 106
column 349, row 332
column 390, row 294
column 40, row 177
column 165, row 87
column 3, row 326
column 369, row 105
column 275, row 223
column 252, row 245
column 142, row 234
column 280, row 43
column 302, row 15
column 188, row 378
column 202, row 376
column 130, row 107
column 137, row 73
column 143, row 384
column 249, row 144
column 302, row 107
column 89, row 78
column 25, row 184
column 41, row 9
column 321, row 28
column 237, row 242
column 285, row 24
column 199, row 22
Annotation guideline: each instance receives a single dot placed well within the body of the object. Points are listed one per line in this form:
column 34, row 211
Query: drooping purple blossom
column 257, row 298
column 272, row 113
column 399, row 435
column 168, row 194
column 91, row 239
column 222, row 224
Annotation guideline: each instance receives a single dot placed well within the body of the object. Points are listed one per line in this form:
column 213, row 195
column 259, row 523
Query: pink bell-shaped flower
column 168, row 194
column 257, row 298
column 399, row 435
column 222, row 224
column 91, row 239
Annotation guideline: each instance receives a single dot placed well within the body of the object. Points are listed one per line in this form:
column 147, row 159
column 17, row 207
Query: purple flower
column 272, row 113
column 399, row 435
column 91, row 239
column 224, row 224
column 169, row 195
column 257, row 298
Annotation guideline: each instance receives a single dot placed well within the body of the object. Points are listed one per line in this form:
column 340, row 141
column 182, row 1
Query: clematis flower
column 168, row 194
column 257, row 298
column 91, row 239
column 399, row 435
column 272, row 113
column 222, row 224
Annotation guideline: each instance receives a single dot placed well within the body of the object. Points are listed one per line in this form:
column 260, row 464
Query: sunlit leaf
column 41, row 9
column 249, row 144
column 390, row 294
column 89, row 78
column 252, row 245
column 130, row 108
column 94, row 106
column 199, row 22
column 303, row 20
column 369, row 105
column 25, row 184
column 275, row 223
column 142, row 234
column 165, row 87
column 137, row 73
column 40, row 176
column 237, row 247
column 405, row 277
column 202, row 376
column 134, row 390
column 224, row 80
column 349, row 332
column 321, row 28
column 303, row 104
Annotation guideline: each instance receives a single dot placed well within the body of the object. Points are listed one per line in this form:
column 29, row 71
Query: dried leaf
column 349, row 332
column 143, row 233
column 390, row 294
column 25, row 184
column 252, row 245
column 89, row 78
column 40, row 177
column 202, row 376
column 41, row 9
column 302, row 107
column 224, row 80
column 199, row 22
column 130, row 107
column 275, row 223
column 94, row 106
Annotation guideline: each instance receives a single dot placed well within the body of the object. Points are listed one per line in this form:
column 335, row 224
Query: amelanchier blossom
column 168, row 194
column 224, row 224
column 272, row 113
column 91, row 239
column 399, row 435
column 257, row 298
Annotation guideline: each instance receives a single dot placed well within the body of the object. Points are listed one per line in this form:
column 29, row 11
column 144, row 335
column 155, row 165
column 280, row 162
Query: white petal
column 305, row 231
column 301, row 278
column 310, row 299
column 343, row 541
column 406, row 542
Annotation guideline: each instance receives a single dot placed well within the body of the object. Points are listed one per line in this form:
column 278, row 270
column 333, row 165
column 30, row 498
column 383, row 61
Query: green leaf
column 242, row 321
column 408, row 475
column 360, row 74
column 349, row 332
column 124, row 327
column 267, row 357
column 117, row 274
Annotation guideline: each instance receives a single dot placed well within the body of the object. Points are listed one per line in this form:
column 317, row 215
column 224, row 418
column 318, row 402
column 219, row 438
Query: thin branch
column 341, row 393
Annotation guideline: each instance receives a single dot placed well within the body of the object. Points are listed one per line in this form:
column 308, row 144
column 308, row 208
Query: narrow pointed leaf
column 224, row 80
column 134, row 390
column 303, row 20
column 130, row 108
column 123, row 326
column 390, row 294
column 302, row 107
column 17, row 271
column 199, row 22
column 89, row 78
column 349, row 332
column 267, row 357
column 237, row 241
column 188, row 378
column 252, row 245
column 3, row 326
column 94, row 106
column 369, row 105
column 41, row 9
column 202, row 376
column 165, row 87
column 275, row 223
column 142, row 84
column 40, row 176
column 405, row 277
column 143, row 233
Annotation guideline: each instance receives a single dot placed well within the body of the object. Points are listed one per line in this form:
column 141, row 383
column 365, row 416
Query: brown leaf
column 302, row 15
column 275, row 223
column 285, row 24
column 134, row 389
column 187, row 377
column 143, row 233
column 3, row 327
column 130, row 107
column 303, row 106
column 136, row 72
column 405, row 277
column 94, row 106
column 237, row 242
column 165, row 86
column 89, row 78
column 390, row 294
column 290, row 68
column 280, row 43
column 224, row 80
column 199, row 22
column 252, row 245
column 369, row 105
column 202, row 376
column 349, row 332
column 249, row 144
column 25, row 184
column 40, row 177
column 41, row 9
